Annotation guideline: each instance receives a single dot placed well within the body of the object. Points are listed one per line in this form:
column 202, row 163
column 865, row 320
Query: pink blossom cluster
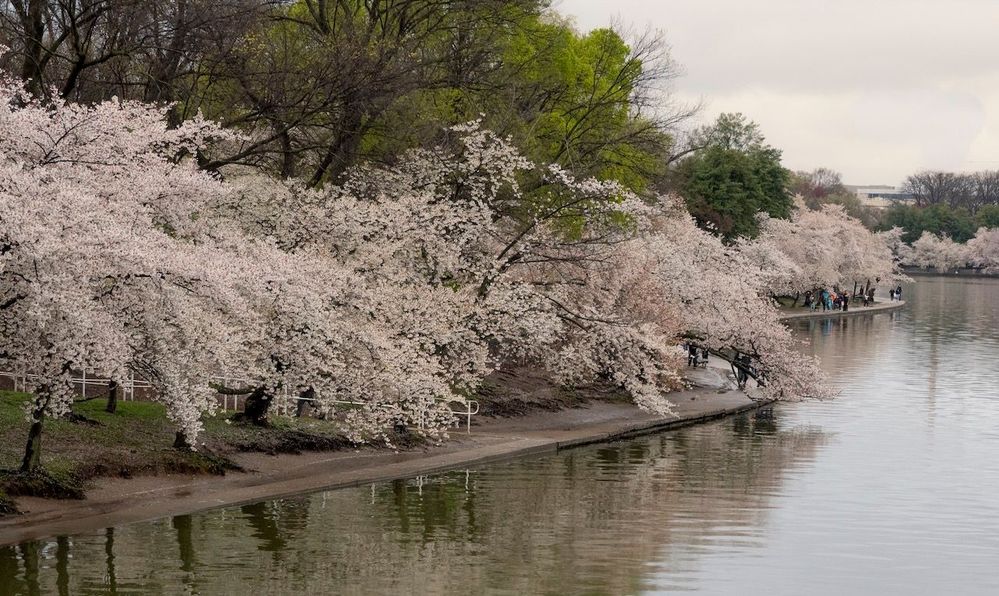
column 943, row 254
column 824, row 249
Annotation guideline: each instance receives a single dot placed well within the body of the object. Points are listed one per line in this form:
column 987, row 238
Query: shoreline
column 879, row 307
column 117, row 501
column 963, row 272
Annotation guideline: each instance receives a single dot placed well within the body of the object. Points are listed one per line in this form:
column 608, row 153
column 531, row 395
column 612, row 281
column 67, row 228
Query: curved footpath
column 115, row 502
column 838, row 314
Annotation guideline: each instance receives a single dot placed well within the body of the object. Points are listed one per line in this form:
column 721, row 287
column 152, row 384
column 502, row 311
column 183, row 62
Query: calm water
column 890, row 489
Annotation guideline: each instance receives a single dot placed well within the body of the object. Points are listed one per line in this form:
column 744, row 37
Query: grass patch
column 136, row 440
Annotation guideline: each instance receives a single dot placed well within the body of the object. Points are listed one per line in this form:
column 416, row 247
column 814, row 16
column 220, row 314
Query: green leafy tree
column 987, row 216
column 582, row 101
column 940, row 219
column 732, row 178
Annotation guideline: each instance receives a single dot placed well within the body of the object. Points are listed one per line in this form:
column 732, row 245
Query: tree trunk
column 343, row 149
column 32, row 34
column 287, row 156
column 180, row 442
column 33, row 449
column 257, row 405
column 304, row 399
column 112, row 406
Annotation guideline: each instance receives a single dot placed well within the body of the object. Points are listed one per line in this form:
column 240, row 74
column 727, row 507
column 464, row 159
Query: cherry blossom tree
column 939, row 252
column 828, row 248
column 723, row 302
column 983, row 250
column 104, row 257
column 448, row 272
column 397, row 291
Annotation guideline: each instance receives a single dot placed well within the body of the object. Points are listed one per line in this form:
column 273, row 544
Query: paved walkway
column 119, row 501
column 835, row 314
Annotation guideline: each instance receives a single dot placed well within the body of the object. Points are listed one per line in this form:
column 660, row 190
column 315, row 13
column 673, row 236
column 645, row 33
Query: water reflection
column 587, row 520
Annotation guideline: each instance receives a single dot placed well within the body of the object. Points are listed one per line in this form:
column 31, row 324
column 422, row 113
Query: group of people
column 838, row 300
column 696, row 356
column 829, row 300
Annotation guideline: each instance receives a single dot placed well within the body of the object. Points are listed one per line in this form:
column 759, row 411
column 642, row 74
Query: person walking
column 846, row 302
column 870, row 296
column 741, row 366
column 898, row 293
column 891, row 294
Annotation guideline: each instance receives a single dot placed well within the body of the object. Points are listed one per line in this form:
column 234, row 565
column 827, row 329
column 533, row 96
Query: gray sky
column 875, row 89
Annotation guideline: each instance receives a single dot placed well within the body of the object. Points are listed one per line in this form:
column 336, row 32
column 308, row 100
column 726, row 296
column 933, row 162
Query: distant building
column 881, row 196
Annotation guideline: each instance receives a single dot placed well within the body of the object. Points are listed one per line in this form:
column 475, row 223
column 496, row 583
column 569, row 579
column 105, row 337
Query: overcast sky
column 875, row 89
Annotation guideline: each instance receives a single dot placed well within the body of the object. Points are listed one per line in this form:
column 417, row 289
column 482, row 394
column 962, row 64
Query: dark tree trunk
column 342, row 151
column 257, row 406
column 74, row 76
column 33, row 449
column 33, row 32
column 304, row 399
column 287, row 156
column 163, row 72
column 180, row 442
column 112, row 406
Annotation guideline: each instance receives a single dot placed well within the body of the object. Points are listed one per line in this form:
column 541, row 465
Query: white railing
column 128, row 386
column 285, row 405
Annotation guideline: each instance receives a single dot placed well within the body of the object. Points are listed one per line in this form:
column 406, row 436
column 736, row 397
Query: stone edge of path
column 838, row 314
column 201, row 494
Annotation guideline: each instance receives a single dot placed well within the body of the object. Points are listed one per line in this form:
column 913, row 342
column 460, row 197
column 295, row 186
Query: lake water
column 893, row 488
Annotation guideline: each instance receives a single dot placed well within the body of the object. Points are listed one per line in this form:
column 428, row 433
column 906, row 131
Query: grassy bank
column 136, row 440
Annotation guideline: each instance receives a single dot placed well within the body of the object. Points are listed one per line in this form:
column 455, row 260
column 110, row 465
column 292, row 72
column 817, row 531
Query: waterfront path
column 118, row 501
column 798, row 314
